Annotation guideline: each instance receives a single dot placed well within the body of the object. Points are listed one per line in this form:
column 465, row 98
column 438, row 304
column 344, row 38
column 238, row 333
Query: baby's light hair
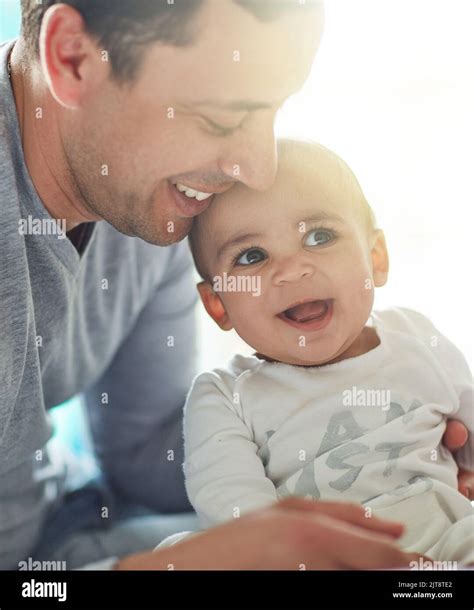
column 288, row 147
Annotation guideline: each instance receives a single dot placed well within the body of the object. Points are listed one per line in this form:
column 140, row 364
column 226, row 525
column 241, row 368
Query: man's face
column 200, row 117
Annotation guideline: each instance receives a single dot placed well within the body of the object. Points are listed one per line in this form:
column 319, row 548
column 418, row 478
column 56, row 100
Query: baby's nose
column 292, row 269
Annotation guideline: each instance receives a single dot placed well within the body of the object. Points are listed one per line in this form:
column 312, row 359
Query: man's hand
column 454, row 438
column 294, row 534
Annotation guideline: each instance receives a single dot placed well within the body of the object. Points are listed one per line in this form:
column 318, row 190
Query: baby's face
column 310, row 260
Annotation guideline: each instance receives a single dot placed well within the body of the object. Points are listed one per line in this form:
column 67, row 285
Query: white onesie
column 367, row 429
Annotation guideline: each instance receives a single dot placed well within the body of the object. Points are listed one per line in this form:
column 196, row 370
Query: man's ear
column 70, row 60
column 214, row 305
column 379, row 256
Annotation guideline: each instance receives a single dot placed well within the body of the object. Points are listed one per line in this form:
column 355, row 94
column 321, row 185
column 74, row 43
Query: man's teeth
column 192, row 194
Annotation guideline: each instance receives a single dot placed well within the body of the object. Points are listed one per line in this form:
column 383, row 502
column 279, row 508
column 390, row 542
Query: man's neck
column 43, row 149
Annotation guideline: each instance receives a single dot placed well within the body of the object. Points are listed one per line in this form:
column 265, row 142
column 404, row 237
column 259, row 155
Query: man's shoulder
column 10, row 210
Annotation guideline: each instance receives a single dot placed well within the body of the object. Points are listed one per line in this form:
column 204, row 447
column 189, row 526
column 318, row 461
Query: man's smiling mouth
column 308, row 314
column 193, row 201
column 192, row 193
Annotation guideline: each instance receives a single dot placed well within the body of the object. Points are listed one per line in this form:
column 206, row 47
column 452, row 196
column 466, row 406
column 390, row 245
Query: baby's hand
column 466, row 482
column 454, row 438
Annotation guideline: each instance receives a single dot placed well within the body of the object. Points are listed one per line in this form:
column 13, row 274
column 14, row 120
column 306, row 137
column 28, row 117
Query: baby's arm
column 225, row 478
column 458, row 370
column 454, row 364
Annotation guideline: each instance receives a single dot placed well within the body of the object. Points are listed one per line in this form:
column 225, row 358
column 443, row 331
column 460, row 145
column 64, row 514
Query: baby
column 338, row 402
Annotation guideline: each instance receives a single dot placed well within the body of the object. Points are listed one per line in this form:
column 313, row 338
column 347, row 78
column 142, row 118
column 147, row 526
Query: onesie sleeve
column 454, row 363
column 225, row 477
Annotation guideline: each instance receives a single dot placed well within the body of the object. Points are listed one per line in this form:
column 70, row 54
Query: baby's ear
column 214, row 305
column 379, row 255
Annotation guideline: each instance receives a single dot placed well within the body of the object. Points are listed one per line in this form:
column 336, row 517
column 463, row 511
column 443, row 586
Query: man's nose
column 252, row 156
column 292, row 269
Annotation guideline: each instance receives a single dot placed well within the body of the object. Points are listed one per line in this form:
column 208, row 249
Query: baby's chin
column 326, row 351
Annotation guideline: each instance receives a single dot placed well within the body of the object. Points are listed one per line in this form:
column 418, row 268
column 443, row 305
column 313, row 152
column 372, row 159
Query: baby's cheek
column 250, row 318
column 240, row 304
column 354, row 277
column 358, row 298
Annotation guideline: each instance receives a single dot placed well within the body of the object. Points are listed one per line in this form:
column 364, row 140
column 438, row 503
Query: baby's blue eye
column 319, row 237
column 250, row 257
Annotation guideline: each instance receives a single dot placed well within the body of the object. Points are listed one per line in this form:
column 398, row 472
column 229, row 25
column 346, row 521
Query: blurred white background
column 392, row 92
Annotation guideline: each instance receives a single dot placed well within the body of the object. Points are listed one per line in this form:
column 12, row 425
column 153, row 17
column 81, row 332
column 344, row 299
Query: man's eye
column 319, row 237
column 222, row 130
column 250, row 257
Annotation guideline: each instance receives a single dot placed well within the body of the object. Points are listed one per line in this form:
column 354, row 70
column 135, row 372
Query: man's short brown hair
column 126, row 27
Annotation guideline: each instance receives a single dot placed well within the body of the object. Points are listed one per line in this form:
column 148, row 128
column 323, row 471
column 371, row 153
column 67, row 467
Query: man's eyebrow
column 236, row 106
column 319, row 216
column 235, row 241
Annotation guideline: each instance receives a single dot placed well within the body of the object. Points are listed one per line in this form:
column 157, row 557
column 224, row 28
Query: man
column 120, row 119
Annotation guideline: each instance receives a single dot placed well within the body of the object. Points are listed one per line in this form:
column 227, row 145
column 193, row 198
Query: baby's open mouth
column 310, row 314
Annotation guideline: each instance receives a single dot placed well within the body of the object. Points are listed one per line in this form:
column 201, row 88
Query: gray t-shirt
column 116, row 323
